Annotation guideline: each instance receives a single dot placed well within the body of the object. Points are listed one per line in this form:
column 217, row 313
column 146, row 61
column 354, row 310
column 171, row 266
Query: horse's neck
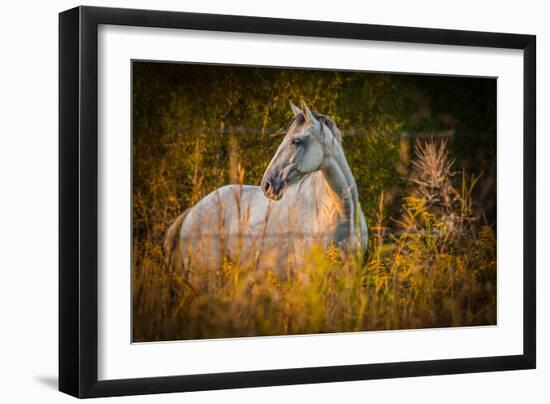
column 334, row 192
column 341, row 184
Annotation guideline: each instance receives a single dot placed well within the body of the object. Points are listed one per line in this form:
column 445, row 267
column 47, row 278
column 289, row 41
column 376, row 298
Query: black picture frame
column 78, row 201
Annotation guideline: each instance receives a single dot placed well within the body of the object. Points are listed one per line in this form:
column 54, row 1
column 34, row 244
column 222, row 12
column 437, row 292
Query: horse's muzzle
column 273, row 189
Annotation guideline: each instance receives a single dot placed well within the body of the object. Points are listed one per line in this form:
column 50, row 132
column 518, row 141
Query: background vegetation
column 422, row 150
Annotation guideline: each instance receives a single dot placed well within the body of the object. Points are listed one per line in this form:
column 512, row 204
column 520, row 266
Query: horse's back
column 218, row 222
column 223, row 208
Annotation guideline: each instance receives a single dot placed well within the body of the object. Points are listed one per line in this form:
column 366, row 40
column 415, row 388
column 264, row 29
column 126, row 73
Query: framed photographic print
column 251, row 201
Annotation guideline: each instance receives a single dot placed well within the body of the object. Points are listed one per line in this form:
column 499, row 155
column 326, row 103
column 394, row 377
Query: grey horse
column 307, row 197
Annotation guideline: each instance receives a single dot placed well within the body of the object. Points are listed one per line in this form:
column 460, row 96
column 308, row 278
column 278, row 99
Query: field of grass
column 433, row 264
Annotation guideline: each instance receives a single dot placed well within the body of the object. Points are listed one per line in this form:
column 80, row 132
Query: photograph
column 271, row 201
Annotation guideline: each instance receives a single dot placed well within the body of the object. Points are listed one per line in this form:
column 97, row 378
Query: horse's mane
column 300, row 119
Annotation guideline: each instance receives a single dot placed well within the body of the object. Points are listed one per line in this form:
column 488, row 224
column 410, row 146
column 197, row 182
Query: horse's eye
column 296, row 141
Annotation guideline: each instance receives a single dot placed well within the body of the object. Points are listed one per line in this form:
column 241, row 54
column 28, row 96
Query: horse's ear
column 310, row 119
column 295, row 110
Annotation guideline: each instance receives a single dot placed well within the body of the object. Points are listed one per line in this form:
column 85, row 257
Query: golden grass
column 435, row 267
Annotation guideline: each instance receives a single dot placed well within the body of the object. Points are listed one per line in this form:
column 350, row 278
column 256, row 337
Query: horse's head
column 301, row 152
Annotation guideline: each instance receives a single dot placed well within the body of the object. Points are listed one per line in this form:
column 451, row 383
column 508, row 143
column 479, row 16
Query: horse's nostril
column 267, row 186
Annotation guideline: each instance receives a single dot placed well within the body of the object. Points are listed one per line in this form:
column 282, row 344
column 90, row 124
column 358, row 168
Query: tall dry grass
column 432, row 266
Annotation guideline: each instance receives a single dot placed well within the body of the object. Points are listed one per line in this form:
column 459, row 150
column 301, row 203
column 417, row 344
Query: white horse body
column 308, row 197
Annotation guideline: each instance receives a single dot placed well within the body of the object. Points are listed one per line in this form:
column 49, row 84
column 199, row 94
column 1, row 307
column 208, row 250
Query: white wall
column 28, row 199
